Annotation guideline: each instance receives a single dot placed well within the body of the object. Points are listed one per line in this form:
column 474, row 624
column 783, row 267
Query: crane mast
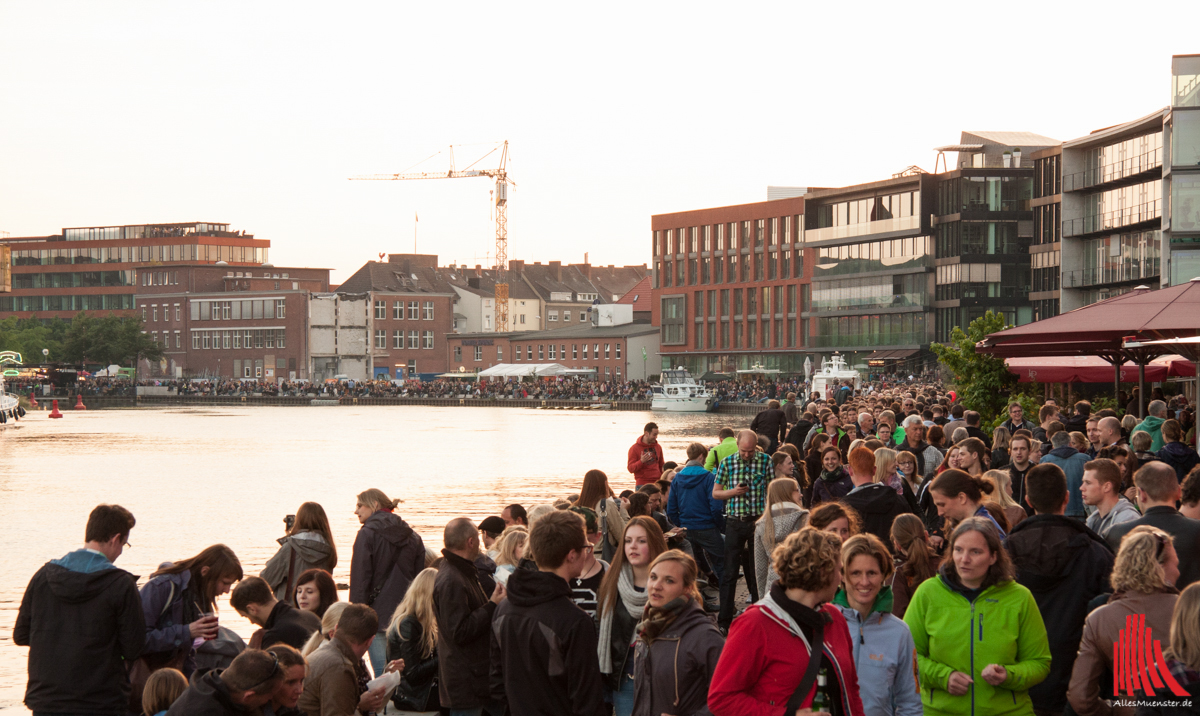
column 501, row 199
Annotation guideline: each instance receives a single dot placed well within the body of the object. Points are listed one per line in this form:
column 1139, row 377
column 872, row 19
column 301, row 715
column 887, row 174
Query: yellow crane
column 500, row 197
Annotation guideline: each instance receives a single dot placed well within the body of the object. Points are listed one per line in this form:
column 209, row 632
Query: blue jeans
column 623, row 697
column 712, row 542
column 378, row 653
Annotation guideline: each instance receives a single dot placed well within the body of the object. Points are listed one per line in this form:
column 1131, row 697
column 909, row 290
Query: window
column 522, row 318
column 237, row 340
column 575, row 350
column 585, row 353
column 258, row 339
column 380, row 310
column 606, row 351
column 268, row 338
column 517, row 352
column 204, row 337
column 478, row 353
column 428, row 339
column 553, row 352
column 674, row 313
column 413, row 307
column 225, row 340
column 380, row 337
column 553, row 316
column 143, row 314
column 247, row 339
column 414, row 339
column 195, row 340
column 178, row 340
column 607, row 370
column 458, row 354
column 224, row 311
column 398, row 340
column 178, row 313
column 618, row 351
column 279, row 338
column 154, row 313
column 279, row 308
column 428, row 311
column 541, row 351
column 398, row 310
column 596, row 351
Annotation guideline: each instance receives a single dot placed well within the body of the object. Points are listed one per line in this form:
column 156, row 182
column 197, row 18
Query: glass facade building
column 1182, row 222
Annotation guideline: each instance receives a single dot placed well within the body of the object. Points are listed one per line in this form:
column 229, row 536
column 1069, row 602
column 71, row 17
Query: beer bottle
column 824, row 699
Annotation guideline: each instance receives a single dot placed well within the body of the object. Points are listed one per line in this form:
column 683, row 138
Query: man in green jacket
column 724, row 449
column 1156, row 415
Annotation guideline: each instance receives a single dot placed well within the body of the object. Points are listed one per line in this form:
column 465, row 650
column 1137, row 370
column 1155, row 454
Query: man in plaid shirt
column 741, row 481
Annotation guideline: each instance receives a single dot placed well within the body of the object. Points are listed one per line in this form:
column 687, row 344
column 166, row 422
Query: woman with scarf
column 782, row 516
column 678, row 643
column 621, row 602
column 834, row 482
column 766, row 661
column 883, row 649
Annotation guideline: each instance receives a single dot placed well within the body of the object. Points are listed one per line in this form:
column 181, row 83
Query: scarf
column 634, row 602
column 658, row 619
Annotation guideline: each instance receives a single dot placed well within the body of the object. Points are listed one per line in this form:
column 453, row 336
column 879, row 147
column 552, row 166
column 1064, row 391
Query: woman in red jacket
column 769, row 645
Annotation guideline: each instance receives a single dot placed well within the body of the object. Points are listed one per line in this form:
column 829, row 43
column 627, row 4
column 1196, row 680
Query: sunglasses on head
column 274, row 670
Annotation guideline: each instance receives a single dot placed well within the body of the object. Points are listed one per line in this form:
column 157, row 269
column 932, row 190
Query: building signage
column 477, row 341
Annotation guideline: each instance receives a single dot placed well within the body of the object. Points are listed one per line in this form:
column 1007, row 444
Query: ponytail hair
column 908, row 532
column 952, row 483
column 377, row 500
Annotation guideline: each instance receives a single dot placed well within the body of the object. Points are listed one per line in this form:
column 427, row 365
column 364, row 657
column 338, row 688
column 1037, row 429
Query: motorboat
column 678, row 392
column 833, row 373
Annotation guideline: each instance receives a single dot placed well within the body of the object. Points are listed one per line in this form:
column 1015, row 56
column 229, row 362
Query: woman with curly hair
column 770, row 647
column 1143, row 582
column 981, row 642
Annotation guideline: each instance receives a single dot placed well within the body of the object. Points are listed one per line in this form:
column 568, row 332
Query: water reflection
column 193, row 477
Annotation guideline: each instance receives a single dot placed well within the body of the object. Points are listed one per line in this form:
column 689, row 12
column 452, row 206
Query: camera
column 290, row 521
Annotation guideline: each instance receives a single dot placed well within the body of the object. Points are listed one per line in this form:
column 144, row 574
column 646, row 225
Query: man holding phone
column 741, row 481
column 646, row 457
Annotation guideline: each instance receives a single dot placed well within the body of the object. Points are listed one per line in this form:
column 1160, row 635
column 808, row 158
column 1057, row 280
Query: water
column 196, row 476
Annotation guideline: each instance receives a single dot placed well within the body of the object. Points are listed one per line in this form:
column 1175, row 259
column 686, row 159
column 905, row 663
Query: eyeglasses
column 274, row 670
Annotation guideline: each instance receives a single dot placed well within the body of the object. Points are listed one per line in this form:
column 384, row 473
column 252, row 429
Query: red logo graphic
column 1138, row 663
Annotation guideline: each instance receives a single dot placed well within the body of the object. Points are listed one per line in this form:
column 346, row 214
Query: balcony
column 904, row 223
column 1116, row 219
column 873, row 340
column 1114, row 172
column 1101, row 276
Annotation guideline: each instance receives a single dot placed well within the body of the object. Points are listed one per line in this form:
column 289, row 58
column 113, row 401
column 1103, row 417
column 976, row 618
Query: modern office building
column 97, row 268
column 984, row 228
column 1183, row 176
column 730, row 287
column 1045, row 252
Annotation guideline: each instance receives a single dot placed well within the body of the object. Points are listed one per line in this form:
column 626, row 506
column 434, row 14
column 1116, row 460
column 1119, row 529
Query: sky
column 257, row 113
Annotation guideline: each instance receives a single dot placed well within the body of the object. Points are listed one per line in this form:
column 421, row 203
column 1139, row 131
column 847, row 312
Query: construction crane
column 500, row 197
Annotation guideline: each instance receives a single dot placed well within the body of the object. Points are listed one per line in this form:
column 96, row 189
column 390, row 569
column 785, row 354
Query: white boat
column 833, row 373
column 678, row 392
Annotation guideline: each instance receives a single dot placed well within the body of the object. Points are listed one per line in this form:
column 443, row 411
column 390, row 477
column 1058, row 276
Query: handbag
column 139, row 669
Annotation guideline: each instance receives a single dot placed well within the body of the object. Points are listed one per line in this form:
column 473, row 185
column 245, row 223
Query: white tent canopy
column 515, row 370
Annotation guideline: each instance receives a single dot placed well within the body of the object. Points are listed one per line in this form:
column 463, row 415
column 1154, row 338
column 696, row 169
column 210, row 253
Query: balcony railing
column 871, row 340
column 1133, row 271
column 903, row 223
column 1113, row 172
column 1115, row 219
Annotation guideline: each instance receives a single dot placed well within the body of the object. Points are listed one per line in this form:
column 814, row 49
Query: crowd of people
column 854, row 554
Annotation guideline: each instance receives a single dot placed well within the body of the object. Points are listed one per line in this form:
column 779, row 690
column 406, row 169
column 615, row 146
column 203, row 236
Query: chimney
column 516, row 265
column 556, row 270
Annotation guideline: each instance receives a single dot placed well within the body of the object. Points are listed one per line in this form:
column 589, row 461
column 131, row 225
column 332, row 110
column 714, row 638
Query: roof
column 483, row 283
column 613, row 281
column 626, row 330
column 1106, row 134
column 1012, row 139
column 400, row 277
column 959, row 148
column 638, row 296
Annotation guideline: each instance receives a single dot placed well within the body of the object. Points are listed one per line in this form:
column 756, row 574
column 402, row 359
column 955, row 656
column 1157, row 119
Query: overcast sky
column 256, row 113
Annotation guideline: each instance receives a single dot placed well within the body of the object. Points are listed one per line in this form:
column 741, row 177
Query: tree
column 984, row 382
column 29, row 336
column 108, row 340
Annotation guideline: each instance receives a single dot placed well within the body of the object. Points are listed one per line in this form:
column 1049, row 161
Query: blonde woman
column 1143, row 580
column 412, row 636
column 328, row 627
column 887, row 473
column 783, row 515
column 1003, row 495
column 1001, row 441
column 1079, row 441
column 906, row 468
column 1183, row 658
column 510, row 549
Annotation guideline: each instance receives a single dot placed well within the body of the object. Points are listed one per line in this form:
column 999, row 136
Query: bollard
column 32, row 401
column 79, row 402
column 54, row 413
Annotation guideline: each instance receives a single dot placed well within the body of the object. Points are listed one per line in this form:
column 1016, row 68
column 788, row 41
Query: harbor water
column 197, row 476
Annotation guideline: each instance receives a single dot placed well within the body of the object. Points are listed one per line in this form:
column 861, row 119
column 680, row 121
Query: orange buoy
column 79, row 402
column 32, row 401
column 54, row 412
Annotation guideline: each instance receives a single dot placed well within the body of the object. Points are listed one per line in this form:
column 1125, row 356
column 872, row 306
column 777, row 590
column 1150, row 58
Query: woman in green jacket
column 979, row 635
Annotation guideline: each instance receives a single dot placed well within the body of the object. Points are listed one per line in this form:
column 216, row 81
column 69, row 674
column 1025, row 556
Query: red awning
column 1090, row 369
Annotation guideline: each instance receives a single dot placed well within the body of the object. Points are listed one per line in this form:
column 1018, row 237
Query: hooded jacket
column 645, row 473
column 831, row 486
column 1064, row 565
column 1179, row 456
column 168, row 607
column 82, row 619
column 1102, row 628
column 1122, row 512
column 766, row 655
column 690, row 503
column 672, row 674
column 1152, row 425
column 952, row 633
column 288, row 625
column 310, row 551
column 543, row 655
column 464, row 619
column 877, row 505
column 787, row 517
column 388, row 555
column 796, row 436
column 1071, row 461
column 884, row 656
column 207, row 695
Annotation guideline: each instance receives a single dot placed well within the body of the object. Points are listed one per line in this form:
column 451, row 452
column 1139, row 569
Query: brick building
column 93, row 268
column 227, row 321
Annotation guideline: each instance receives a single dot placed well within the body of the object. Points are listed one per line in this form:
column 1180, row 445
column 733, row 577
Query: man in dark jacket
column 543, row 646
column 1077, row 422
column 972, row 419
column 799, row 431
column 876, row 503
column 690, row 505
column 388, row 556
column 1158, row 491
column 82, row 621
column 280, row 621
column 464, row 618
column 1174, row 452
column 771, row 423
column 240, row 690
column 1016, row 419
column 1065, row 565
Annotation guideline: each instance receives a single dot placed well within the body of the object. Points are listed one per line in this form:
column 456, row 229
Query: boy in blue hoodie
column 690, row 505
